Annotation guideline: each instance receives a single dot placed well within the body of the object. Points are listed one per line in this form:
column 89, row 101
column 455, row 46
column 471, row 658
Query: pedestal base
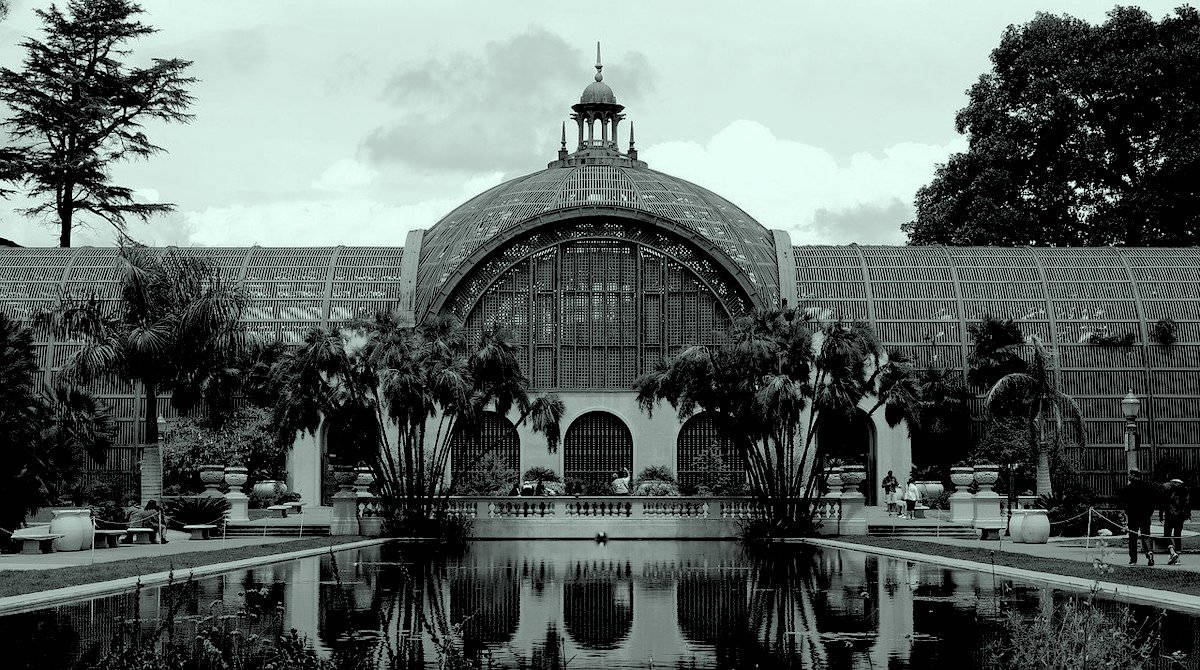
column 987, row 510
column 962, row 508
column 239, row 506
column 345, row 514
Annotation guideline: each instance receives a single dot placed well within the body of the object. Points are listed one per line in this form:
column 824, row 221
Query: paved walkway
column 177, row 543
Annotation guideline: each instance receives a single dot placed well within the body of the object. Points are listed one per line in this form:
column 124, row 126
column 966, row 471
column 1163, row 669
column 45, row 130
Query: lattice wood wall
column 291, row 290
column 697, row 435
column 921, row 299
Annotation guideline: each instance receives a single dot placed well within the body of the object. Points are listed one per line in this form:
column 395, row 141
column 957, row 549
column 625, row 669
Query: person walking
column 890, row 484
column 1177, row 508
column 1139, row 500
column 911, row 496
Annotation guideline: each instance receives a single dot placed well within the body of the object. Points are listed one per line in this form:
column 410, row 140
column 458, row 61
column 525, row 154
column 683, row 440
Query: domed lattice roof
column 464, row 236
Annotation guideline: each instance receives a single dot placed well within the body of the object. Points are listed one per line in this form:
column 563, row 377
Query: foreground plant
column 371, row 380
column 785, row 375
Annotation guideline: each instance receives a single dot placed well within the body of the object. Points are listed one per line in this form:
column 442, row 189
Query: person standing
column 1139, row 500
column 620, row 484
column 911, row 495
column 890, row 484
column 1177, row 508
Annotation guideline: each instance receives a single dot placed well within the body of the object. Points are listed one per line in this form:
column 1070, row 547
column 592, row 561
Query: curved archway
column 494, row 435
column 596, row 306
column 598, row 605
column 596, row 445
column 487, row 604
column 706, row 459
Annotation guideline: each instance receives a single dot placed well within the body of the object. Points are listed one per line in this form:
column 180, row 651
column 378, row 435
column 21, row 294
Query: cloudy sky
column 347, row 122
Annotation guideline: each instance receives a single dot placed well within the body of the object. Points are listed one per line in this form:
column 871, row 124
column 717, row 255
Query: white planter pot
column 268, row 488
column 76, row 528
column 236, row 476
column 1035, row 528
column 962, row 477
column 930, row 488
column 1016, row 524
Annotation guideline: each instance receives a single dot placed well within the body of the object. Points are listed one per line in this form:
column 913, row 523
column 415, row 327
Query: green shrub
column 938, row 501
column 489, row 477
column 245, row 438
column 656, row 487
column 660, row 472
column 192, row 510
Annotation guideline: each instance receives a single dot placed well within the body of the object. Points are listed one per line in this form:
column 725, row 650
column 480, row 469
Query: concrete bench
column 282, row 509
column 296, row 507
column 919, row 511
column 107, row 538
column 990, row 531
column 36, row 543
column 141, row 535
column 200, row 531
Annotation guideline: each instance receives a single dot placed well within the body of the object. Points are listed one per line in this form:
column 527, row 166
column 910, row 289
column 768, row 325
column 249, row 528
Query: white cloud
column 345, row 175
column 802, row 188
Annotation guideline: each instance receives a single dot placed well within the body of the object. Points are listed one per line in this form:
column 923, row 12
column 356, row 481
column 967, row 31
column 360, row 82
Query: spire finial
column 599, row 65
column 631, row 134
column 564, row 135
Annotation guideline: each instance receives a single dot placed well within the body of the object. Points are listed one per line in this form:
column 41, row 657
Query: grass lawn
column 1161, row 576
column 17, row 582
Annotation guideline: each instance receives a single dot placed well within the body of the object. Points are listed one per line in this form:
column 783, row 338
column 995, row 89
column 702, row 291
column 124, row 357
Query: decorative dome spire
column 598, row 116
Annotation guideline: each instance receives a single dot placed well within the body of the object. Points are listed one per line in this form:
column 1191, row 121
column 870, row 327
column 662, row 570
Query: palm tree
column 46, row 432
column 1047, row 412
column 368, row 380
column 174, row 328
column 781, row 377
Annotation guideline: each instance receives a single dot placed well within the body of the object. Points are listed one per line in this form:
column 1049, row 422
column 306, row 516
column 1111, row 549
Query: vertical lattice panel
column 595, row 446
column 495, row 435
column 697, row 436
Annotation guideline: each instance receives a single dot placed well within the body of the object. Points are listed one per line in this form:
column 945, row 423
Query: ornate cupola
column 597, row 116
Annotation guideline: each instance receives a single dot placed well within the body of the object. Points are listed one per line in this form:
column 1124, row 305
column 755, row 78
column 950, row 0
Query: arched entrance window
column 853, row 441
column 494, row 435
column 596, row 445
column 707, row 459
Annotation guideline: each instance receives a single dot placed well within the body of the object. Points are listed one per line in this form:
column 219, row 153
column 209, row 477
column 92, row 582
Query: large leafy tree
column 370, row 380
column 1080, row 135
column 783, row 376
column 175, row 326
column 46, row 432
column 77, row 108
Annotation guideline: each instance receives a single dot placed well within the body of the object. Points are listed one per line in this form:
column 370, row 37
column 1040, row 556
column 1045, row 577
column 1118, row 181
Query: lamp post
column 1131, row 406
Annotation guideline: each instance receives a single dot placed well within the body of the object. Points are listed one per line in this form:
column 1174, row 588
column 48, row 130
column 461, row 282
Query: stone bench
column 919, row 511
column 200, row 531
column 296, row 507
column 107, row 538
column 37, row 543
column 141, row 535
column 282, row 509
column 990, row 530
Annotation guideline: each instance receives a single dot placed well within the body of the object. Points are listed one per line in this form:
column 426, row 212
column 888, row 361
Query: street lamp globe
column 1131, row 406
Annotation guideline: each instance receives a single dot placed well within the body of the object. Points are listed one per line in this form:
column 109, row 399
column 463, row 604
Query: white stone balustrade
column 613, row 516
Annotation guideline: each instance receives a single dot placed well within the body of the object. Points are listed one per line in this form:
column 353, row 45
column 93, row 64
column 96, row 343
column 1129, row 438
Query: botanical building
column 601, row 266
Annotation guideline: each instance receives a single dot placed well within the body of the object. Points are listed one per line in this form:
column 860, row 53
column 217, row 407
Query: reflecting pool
column 565, row 604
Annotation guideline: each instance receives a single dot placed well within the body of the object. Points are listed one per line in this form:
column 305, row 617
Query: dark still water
column 559, row 604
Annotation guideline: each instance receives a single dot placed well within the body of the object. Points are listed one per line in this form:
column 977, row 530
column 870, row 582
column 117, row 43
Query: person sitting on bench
column 149, row 517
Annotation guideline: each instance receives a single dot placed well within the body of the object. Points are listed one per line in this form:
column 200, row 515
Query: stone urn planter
column 344, row 475
column 962, row 476
column 833, row 478
column 986, row 476
column 363, row 478
column 930, row 488
column 76, row 528
column 852, row 477
column 268, row 488
column 212, row 476
column 236, row 477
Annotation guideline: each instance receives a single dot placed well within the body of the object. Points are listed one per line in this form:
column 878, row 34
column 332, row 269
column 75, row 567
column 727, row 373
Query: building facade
column 601, row 266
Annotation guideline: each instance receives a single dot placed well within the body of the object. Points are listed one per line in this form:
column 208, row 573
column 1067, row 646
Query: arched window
column 494, row 435
column 596, row 445
column 708, row 459
column 595, row 313
column 854, row 442
column 487, row 603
